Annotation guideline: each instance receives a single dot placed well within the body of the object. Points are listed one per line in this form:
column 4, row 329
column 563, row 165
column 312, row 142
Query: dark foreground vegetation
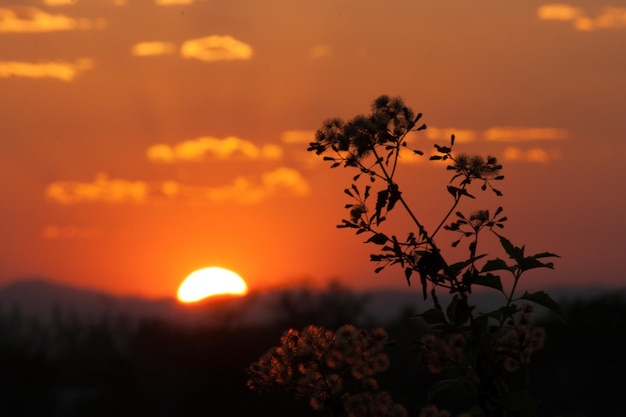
column 114, row 366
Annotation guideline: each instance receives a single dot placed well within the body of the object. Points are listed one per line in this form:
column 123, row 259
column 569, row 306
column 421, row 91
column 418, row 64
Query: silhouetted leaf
column 378, row 239
column 435, row 158
column 513, row 251
column 495, row 265
column 531, row 262
column 546, row 255
column 433, row 316
column 394, row 196
column 489, row 280
column 381, row 202
column 544, row 300
column 407, row 274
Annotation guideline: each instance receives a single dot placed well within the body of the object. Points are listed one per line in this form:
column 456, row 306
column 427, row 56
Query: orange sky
column 143, row 139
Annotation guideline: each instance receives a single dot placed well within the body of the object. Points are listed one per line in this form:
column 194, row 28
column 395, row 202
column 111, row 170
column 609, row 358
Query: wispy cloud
column 607, row 18
column 533, row 154
column 55, row 3
column 298, row 136
column 444, row 134
column 517, row 134
column 23, row 19
column 153, row 48
column 197, row 149
column 242, row 190
column 64, row 71
column 55, row 232
column 172, row 2
column 320, row 51
column 102, row 189
column 216, row 48
column 117, row 191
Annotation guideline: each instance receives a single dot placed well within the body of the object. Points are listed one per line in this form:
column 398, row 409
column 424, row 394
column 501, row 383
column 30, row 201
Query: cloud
column 534, row 154
column 298, row 136
column 172, row 2
column 444, row 134
column 216, row 48
column 120, row 191
column 23, row 19
column 196, row 149
column 320, row 51
column 242, row 190
column 102, row 189
column 608, row 18
column 515, row 134
column 54, row 3
column 54, row 232
column 65, row 71
column 153, row 48
column 559, row 11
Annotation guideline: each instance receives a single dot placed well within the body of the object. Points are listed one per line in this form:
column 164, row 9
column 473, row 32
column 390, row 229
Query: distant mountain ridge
column 44, row 300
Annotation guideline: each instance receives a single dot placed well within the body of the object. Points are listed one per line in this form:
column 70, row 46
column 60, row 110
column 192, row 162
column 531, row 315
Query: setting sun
column 208, row 282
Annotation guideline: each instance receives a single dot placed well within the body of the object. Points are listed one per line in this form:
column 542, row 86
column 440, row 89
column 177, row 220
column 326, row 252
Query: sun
column 209, row 282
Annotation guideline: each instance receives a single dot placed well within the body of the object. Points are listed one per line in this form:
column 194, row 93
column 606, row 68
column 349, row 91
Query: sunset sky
column 144, row 139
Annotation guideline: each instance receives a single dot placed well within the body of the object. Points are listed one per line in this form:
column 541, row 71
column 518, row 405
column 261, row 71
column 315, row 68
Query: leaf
column 531, row 262
column 394, row 196
column 407, row 274
column 435, row 158
column 513, row 251
column 367, row 192
column 546, row 255
column 544, row 300
column 457, row 267
column 381, row 202
column 378, row 239
column 495, row 265
column 433, row 316
column 489, row 280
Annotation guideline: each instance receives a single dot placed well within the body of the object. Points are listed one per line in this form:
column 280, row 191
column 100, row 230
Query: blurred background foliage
column 118, row 366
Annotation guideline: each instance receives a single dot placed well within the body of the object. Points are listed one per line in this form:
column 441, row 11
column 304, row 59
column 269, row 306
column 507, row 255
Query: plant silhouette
column 481, row 359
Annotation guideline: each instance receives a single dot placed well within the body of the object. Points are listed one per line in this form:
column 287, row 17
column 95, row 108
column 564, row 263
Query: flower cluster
column 516, row 346
column 437, row 353
column 334, row 370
